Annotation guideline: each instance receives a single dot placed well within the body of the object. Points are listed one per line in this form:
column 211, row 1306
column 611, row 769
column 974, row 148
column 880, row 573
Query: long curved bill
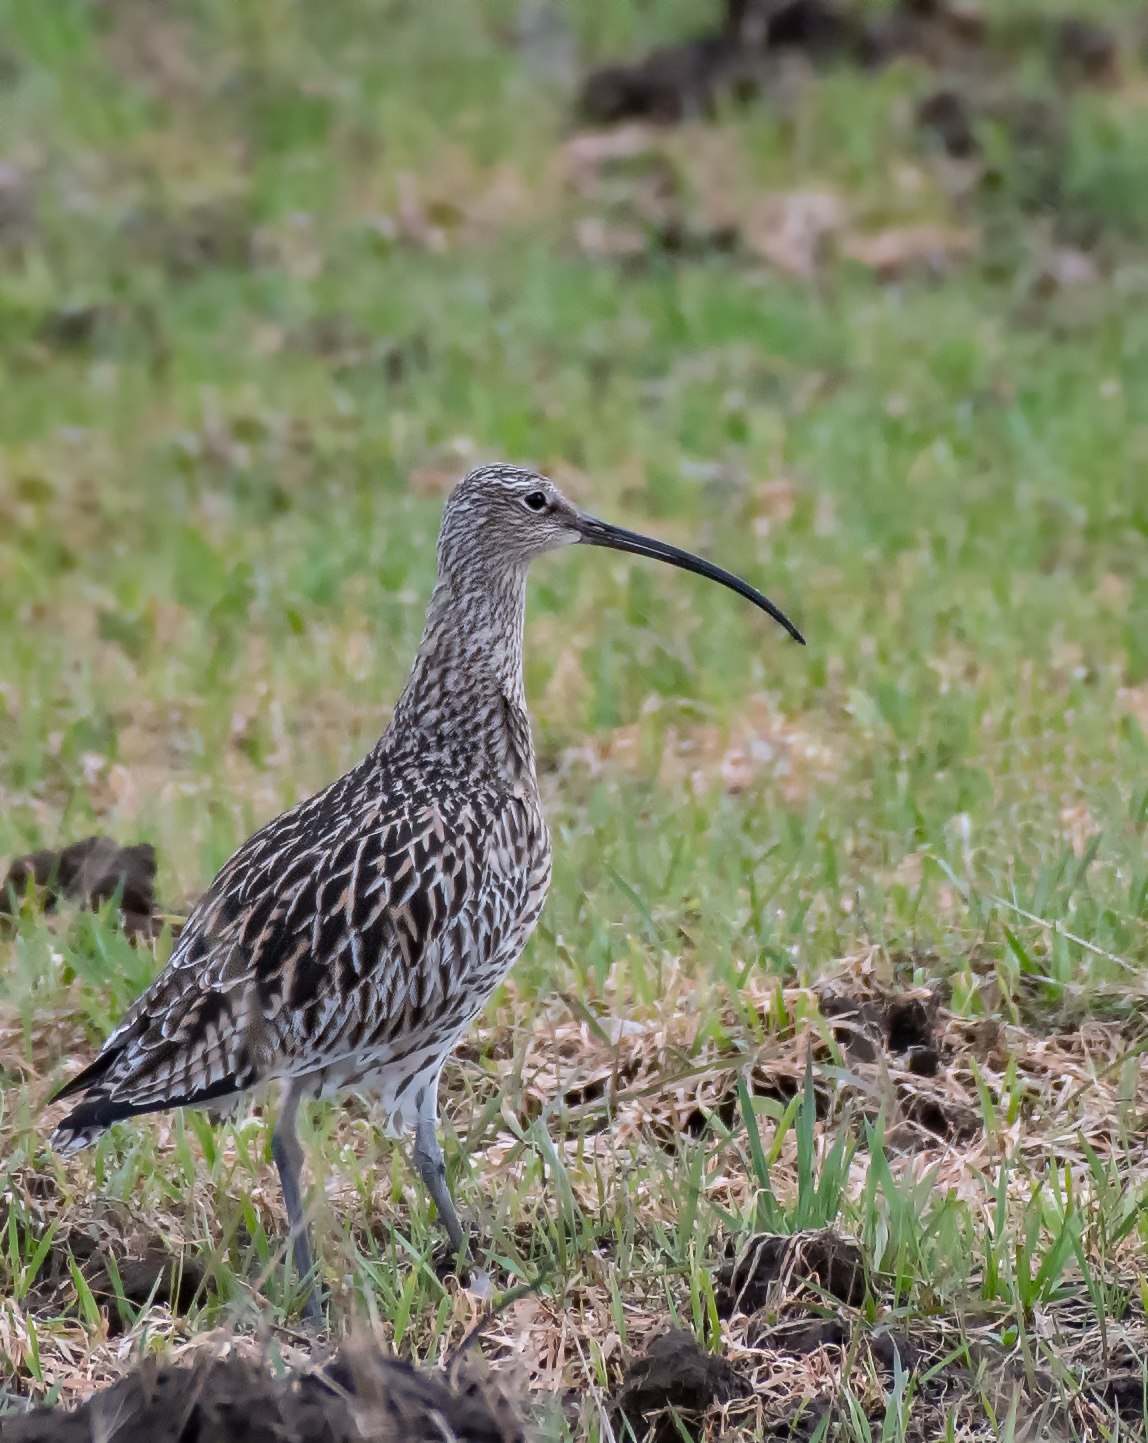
column 593, row 532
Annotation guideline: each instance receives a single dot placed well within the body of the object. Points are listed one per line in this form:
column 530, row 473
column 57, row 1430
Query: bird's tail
column 82, row 1126
column 94, row 1111
column 100, row 1100
column 105, row 1095
column 74, row 1133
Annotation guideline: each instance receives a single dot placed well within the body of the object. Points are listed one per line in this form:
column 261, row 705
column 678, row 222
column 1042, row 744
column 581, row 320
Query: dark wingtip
column 87, row 1077
column 69, row 1138
column 96, row 1109
column 84, row 1124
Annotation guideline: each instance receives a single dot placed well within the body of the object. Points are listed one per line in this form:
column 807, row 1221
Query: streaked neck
column 465, row 694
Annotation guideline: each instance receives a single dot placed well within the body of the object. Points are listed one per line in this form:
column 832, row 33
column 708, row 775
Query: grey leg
column 431, row 1167
column 288, row 1155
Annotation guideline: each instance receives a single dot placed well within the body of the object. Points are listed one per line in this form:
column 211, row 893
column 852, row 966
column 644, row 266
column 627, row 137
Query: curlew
column 351, row 941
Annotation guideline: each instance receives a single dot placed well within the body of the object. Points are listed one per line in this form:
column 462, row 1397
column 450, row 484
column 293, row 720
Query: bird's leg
column 288, row 1155
column 431, row 1167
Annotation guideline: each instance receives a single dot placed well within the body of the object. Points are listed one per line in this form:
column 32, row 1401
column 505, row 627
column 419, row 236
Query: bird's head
column 503, row 516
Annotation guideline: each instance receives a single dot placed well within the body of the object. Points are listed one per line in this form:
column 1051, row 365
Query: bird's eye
column 536, row 501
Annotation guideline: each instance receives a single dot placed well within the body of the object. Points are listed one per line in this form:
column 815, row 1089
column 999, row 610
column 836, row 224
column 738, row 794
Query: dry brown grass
column 627, row 1101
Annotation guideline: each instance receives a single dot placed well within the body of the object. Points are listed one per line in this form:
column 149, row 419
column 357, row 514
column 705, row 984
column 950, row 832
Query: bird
column 351, row 941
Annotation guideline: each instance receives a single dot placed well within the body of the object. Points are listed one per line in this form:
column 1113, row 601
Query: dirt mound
column 894, row 1024
column 768, row 1263
column 124, row 1265
column 674, row 1376
column 90, row 872
column 360, row 1395
column 676, row 82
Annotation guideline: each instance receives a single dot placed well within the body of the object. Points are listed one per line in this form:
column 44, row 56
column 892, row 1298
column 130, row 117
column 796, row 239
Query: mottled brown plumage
column 351, row 941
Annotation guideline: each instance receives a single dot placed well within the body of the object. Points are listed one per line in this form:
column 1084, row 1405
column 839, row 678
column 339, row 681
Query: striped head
column 503, row 516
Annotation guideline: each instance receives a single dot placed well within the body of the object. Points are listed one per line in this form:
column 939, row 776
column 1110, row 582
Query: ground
column 846, row 944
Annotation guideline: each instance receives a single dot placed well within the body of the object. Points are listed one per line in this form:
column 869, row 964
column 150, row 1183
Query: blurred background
column 855, row 308
column 851, row 297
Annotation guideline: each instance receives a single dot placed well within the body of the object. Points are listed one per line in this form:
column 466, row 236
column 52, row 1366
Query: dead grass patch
column 810, row 1321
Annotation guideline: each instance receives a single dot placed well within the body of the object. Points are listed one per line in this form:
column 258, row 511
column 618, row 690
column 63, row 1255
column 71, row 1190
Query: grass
column 272, row 276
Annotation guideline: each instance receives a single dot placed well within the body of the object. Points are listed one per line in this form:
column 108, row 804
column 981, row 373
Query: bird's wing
column 325, row 910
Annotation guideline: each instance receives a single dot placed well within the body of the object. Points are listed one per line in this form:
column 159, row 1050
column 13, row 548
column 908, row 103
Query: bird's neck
column 465, row 696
